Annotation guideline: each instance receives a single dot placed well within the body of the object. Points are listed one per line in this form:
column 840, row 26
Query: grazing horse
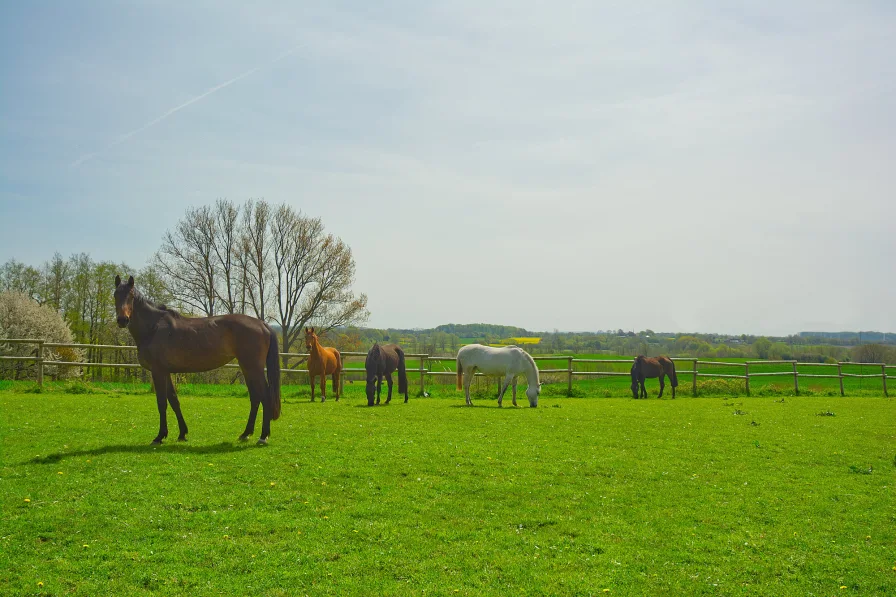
column 322, row 361
column 381, row 362
column 167, row 342
column 652, row 367
column 508, row 361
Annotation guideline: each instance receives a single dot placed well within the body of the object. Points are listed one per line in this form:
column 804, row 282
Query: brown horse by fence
column 322, row 361
column 652, row 367
column 167, row 342
column 381, row 362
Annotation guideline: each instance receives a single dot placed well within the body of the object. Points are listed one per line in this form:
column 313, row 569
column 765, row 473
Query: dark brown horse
column 167, row 342
column 652, row 367
column 381, row 362
column 322, row 361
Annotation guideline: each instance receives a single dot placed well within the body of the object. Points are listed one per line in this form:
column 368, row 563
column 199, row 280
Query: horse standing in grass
column 508, row 361
column 167, row 342
column 652, row 367
column 381, row 362
column 322, row 361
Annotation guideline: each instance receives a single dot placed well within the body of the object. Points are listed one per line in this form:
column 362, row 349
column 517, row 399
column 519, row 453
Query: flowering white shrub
column 21, row 317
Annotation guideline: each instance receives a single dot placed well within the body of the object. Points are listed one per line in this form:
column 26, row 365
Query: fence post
column 569, row 380
column 883, row 373
column 747, row 376
column 40, row 363
column 422, row 370
column 840, row 376
column 694, row 381
column 796, row 383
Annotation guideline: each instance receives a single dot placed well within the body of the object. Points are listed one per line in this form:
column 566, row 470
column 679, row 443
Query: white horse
column 508, row 361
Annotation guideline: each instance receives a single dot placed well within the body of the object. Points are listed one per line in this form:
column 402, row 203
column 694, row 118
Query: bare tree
column 313, row 273
column 226, row 239
column 253, row 255
column 187, row 260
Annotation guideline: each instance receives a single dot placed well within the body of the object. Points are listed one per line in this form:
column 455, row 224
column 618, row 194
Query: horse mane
column 142, row 300
column 174, row 313
column 529, row 358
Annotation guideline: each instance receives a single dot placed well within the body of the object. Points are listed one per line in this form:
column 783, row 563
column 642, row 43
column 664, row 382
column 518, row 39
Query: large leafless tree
column 312, row 276
column 272, row 262
column 187, row 260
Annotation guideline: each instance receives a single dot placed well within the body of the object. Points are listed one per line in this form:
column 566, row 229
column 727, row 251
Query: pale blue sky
column 680, row 166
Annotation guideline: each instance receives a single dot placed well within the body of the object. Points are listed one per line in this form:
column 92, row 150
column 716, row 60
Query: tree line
column 269, row 261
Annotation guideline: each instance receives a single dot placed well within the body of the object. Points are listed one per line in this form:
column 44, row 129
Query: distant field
column 705, row 496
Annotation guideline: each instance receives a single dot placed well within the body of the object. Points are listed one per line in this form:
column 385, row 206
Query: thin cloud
column 88, row 156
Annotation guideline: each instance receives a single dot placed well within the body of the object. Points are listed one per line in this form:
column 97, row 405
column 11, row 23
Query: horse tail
column 273, row 363
column 460, row 375
column 673, row 375
column 402, row 372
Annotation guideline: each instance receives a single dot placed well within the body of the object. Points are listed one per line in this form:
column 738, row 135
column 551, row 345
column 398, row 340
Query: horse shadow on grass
column 172, row 448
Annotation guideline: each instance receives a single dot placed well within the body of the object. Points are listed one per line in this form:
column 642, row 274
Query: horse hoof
column 156, row 442
column 243, row 438
column 262, row 442
column 182, row 439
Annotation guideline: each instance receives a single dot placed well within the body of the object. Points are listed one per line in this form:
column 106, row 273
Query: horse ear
column 312, row 329
column 131, row 281
column 117, row 281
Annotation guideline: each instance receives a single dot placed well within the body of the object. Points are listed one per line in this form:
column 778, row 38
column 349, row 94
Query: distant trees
column 761, row 347
column 873, row 353
column 272, row 262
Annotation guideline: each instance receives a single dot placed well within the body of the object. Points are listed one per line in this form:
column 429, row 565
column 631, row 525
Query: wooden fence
column 569, row 372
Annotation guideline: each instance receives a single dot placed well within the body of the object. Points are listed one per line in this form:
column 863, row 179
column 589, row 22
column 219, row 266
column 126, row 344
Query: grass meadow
column 714, row 495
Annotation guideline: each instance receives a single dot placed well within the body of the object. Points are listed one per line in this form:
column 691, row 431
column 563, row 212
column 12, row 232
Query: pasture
column 696, row 496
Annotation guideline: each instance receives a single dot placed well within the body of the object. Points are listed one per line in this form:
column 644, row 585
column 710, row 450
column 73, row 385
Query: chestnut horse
column 322, row 361
column 167, row 342
column 652, row 367
column 381, row 362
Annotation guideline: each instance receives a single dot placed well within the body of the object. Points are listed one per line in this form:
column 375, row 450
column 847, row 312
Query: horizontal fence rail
column 426, row 363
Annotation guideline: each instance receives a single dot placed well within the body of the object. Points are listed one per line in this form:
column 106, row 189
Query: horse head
column 532, row 393
column 124, row 301
column 310, row 338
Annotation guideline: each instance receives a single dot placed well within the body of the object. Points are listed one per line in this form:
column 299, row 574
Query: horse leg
column 662, row 384
column 514, row 390
column 468, row 379
column 323, row 387
column 161, row 380
column 379, row 386
column 175, row 406
column 258, row 394
column 254, row 401
column 507, row 379
column 643, row 393
column 389, row 382
column 311, row 376
column 336, row 384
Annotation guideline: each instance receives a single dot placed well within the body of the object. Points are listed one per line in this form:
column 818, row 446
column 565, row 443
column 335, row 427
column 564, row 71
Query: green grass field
column 697, row 496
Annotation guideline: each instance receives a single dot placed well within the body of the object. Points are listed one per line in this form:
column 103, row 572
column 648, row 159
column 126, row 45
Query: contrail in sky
column 128, row 135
